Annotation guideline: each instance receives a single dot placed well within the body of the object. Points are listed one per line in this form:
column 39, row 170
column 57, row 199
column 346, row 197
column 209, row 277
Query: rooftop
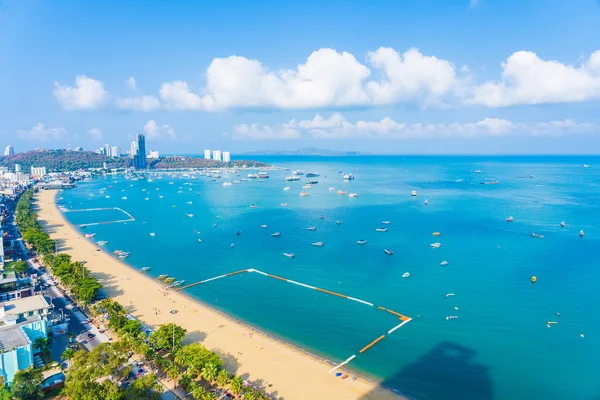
column 24, row 305
column 12, row 336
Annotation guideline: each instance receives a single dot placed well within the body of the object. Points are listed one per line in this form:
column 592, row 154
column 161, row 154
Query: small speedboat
column 405, row 275
column 413, row 193
column 425, row 202
column 199, row 240
column 145, row 269
column 381, row 229
column 124, row 198
column 162, row 277
column 323, row 217
column 451, row 317
column 289, row 255
column 444, row 263
column 535, row 235
column 509, row 219
column 214, row 225
column 385, row 222
column 232, row 245
column 363, row 241
column 101, row 242
column 252, row 205
column 90, row 235
column 353, row 195
column 581, row 233
column 276, row 234
column 318, row 244
column 238, row 233
column 304, row 194
column 331, row 189
column 285, row 189
column 562, row 224
column 449, row 294
column 338, row 222
column 388, row 252
column 264, row 226
column 283, row 204
column 190, row 215
column 342, row 192
column 435, row 245
column 436, row 234
column 311, row 228
column 152, row 234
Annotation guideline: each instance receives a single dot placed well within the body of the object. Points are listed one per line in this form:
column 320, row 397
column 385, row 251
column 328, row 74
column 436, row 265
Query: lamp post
column 173, row 312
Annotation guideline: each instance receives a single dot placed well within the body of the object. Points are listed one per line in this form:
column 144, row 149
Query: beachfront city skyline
column 449, row 77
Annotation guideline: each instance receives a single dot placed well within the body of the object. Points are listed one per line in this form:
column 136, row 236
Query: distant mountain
column 307, row 151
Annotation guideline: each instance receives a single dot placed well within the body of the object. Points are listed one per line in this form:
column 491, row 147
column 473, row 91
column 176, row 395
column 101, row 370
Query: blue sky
column 427, row 77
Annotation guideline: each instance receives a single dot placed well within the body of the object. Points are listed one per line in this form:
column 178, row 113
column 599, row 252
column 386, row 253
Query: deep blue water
column 498, row 348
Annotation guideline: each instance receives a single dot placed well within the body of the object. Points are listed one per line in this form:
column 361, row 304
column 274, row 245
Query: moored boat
column 276, row 234
column 162, row 277
column 389, row 252
column 444, row 263
column 311, row 228
column 363, row 241
column 289, row 255
column 264, row 226
column 405, row 275
column 510, row 219
column 304, row 194
column 435, row 245
column 318, row 244
column 381, row 229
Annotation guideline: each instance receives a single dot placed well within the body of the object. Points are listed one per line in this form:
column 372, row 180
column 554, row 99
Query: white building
column 115, row 151
column 39, row 172
column 217, row 155
column 17, row 168
column 107, row 150
column 154, row 154
column 226, row 156
column 78, row 148
column 207, row 154
column 18, row 177
column 133, row 149
column 9, row 150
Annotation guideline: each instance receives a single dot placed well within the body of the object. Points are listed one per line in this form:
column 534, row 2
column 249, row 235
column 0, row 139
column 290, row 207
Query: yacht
column 353, row 195
column 145, row 269
column 101, row 242
column 381, row 229
column 276, row 234
column 348, row 177
column 226, row 183
column 90, row 235
column 342, row 192
column 318, row 244
column 152, row 234
column 289, row 255
column 535, row 235
column 264, row 226
column 435, row 245
column 562, row 224
column 312, row 175
column 405, row 275
column 444, row 263
column 388, row 252
column 285, row 189
column 581, row 233
column 363, row 241
column 304, row 194
column 385, row 222
column 311, row 228
column 509, row 219
column 413, row 193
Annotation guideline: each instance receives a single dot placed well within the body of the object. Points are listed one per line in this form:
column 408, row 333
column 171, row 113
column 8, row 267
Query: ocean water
column 499, row 347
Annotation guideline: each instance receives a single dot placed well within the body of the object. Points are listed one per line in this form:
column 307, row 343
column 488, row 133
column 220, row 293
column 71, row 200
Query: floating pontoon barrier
column 343, row 363
column 211, row 279
column 399, row 326
column 373, row 343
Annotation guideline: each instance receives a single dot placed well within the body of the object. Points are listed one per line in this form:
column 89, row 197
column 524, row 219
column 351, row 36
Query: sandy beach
column 293, row 374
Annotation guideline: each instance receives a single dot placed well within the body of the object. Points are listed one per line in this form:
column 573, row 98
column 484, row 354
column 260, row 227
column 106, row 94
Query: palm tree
column 198, row 392
column 210, row 396
column 172, row 372
column 192, row 371
column 222, row 380
column 237, row 385
column 250, row 394
column 43, row 346
column 210, row 372
column 185, row 381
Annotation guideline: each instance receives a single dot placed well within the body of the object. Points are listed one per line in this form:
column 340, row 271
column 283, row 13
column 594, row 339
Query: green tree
column 198, row 392
column 222, row 380
column 250, row 394
column 18, row 267
column 43, row 346
column 210, row 372
column 26, row 385
column 237, row 386
column 167, row 335
column 172, row 372
column 144, row 388
column 68, row 354
column 185, row 381
column 5, row 394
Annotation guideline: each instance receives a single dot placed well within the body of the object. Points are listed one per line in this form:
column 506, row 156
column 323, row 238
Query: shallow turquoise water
column 498, row 348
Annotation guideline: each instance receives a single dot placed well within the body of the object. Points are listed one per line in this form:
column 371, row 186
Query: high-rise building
column 107, row 150
column 133, row 149
column 226, row 156
column 154, row 154
column 139, row 159
column 17, row 168
column 9, row 150
column 207, row 154
column 38, row 172
column 115, row 151
column 217, row 155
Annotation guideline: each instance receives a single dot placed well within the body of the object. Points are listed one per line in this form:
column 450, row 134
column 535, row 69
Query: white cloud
column 527, row 79
column 141, row 103
column 337, row 127
column 155, row 131
column 95, row 134
column 131, row 83
column 87, row 94
column 41, row 132
column 177, row 95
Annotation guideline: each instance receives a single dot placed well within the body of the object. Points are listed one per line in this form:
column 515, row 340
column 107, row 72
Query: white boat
column 289, row 255
column 283, row 204
column 292, row 178
column 405, row 275
column 381, row 229
column 342, row 192
column 160, row 197
column 451, row 317
column 285, row 189
column 581, row 233
column 385, row 222
column 276, row 234
column 413, row 193
column 90, row 235
column 124, row 198
column 562, row 224
column 304, row 194
column 353, row 195
column 435, row 245
column 510, row 219
column 252, row 205
column 444, row 263
column 331, row 189
column 236, row 182
column 449, row 294
column 586, row 165
column 535, row 235
column 232, row 245
column 264, row 226
column 226, row 183
column 199, row 240
column 145, row 269
column 298, row 172
column 190, row 215
column 152, row 234
column 348, row 177
column 318, row 244
column 101, row 242
column 363, row 241
column 189, row 202
column 146, row 198
column 307, row 186
column 107, row 197
column 311, row 228
column 425, row 202
column 389, row 252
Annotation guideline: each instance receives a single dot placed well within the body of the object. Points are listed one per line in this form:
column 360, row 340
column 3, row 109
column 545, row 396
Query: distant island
column 65, row 160
column 307, row 151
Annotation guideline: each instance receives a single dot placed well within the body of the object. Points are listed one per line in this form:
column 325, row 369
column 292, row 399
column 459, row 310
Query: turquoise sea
column 499, row 347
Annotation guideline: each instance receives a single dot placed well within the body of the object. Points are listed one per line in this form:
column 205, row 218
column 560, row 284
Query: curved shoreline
column 293, row 372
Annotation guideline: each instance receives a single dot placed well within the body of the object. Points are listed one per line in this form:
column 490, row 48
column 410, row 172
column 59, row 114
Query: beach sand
column 292, row 373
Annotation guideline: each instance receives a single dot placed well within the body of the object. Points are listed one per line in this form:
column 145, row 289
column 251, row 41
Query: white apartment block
column 154, row 154
column 39, row 172
column 207, row 154
column 217, row 155
column 226, row 156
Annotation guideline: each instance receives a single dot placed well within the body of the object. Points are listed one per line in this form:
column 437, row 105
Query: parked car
column 91, row 335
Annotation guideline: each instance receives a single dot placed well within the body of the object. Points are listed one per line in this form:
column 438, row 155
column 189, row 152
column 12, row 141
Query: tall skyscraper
column 9, row 150
column 17, row 168
column 115, row 151
column 107, row 150
column 226, row 156
column 217, row 155
column 139, row 160
column 133, row 149
column 207, row 154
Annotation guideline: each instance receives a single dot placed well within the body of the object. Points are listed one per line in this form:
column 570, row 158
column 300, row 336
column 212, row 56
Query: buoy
column 533, row 279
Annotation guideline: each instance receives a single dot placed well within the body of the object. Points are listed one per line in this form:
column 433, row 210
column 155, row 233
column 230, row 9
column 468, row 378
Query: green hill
column 61, row 160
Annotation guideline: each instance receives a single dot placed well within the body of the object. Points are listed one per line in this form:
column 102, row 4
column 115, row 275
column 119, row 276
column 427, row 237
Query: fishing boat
column 276, row 234
column 145, row 269
column 285, row 189
column 385, row 222
column 101, row 242
column 338, row 222
column 389, row 252
column 318, row 244
column 264, row 226
column 413, row 193
column 289, row 255
column 581, row 233
column 405, row 275
column 89, row 235
column 304, row 194
column 381, row 229
column 435, row 245
column 444, row 263
column 362, row 241
column 535, row 235
column 436, row 234
column 311, row 228
column 162, row 277
column 509, row 219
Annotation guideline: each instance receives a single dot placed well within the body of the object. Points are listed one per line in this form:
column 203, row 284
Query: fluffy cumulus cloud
column 155, row 131
column 41, row 132
column 87, row 94
column 95, row 134
column 336, row 127
column 177, row 95
column 527, row 79
column 141, row 103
